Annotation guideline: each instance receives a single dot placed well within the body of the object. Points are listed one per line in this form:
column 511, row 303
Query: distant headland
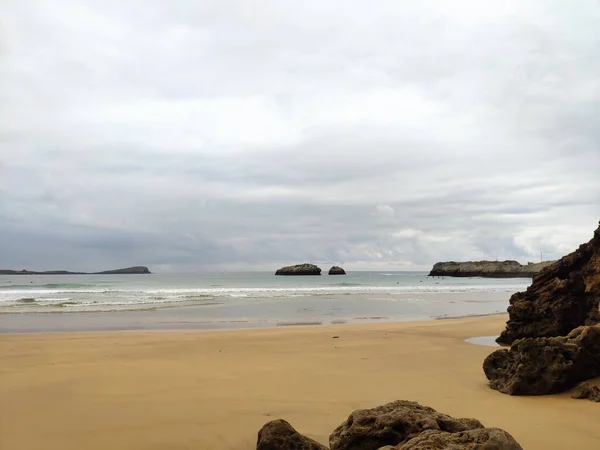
column 127, row 271
column 488, row 269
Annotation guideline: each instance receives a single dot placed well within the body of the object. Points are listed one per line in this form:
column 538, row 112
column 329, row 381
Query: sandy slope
column 203, row 390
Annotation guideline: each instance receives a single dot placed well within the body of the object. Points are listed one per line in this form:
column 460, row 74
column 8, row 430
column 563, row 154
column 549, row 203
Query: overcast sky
column 187, row 135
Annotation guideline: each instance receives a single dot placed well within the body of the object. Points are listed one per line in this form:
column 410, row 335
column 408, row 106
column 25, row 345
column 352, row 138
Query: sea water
column 248, row 299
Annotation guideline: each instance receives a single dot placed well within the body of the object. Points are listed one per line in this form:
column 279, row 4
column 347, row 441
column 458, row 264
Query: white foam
column 173, row 294
column 138, row 296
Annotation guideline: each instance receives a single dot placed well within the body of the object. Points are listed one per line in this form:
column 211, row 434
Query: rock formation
column 400, row 425
column 280, row 435
column 538, row 366
column 488, row 269
column 299, row 269
column 392, row 424
column 337, row 270
column 588, row 391
column 126, row 271
column 482, row 438
column 561, row 298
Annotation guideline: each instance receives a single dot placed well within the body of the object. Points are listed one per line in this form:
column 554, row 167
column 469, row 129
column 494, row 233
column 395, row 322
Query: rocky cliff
column 554, row 329
column 489, row 269
column 128, row 270
column 561, row 298
column 299, row 269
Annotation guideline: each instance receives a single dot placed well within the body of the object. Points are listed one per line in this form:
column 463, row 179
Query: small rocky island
column 337, row 270
column 488, row 269
column 299, row 269
column 125, row 271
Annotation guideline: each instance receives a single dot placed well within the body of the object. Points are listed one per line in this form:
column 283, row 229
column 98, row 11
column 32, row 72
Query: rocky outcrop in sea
column 299, row 269
column 337, row 270
column 487, row 269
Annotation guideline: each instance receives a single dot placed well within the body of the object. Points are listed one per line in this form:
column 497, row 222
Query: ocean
column 246, row 299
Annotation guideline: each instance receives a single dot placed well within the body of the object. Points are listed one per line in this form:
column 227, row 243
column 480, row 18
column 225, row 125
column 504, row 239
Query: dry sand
column 204, row 390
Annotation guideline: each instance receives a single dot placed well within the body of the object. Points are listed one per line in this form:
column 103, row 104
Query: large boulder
column 588, row 391
column 538, row 366
column 280, row 435
column 392, row 424
column 562, row 297
column 479, row 439
column 337, row 270
column 400, row 425
column 299, row 269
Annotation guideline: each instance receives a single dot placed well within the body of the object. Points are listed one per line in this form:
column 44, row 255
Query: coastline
column 276, row 313
column 231, row 326
column 215, row 389
column 248, row 292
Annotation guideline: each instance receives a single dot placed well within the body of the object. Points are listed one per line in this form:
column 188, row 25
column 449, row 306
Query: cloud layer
column 245, row 135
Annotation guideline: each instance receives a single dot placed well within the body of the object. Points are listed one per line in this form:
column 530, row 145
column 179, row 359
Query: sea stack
column 337, row 270
column 299, row 269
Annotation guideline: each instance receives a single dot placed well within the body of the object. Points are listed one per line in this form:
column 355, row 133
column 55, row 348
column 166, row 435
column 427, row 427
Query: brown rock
column 479, row 439
column 280, row 435
column 538, row 366
column 562, row 297
column 337, row 270
column 299, row 269
column 392, row 424
column 587, row 391
column 487, row 269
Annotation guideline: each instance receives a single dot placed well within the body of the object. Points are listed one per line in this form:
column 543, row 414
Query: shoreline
column 241, row 294
column 280, row 326
column 216, row 388
column 108, row 324
column 260, row 312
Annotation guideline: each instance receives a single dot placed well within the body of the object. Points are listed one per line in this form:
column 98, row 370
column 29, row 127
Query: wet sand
column 215, row 389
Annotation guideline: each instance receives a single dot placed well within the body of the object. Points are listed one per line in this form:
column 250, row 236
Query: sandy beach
column 215, row 389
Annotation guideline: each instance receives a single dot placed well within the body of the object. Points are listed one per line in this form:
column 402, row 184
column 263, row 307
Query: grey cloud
column 224, row 135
